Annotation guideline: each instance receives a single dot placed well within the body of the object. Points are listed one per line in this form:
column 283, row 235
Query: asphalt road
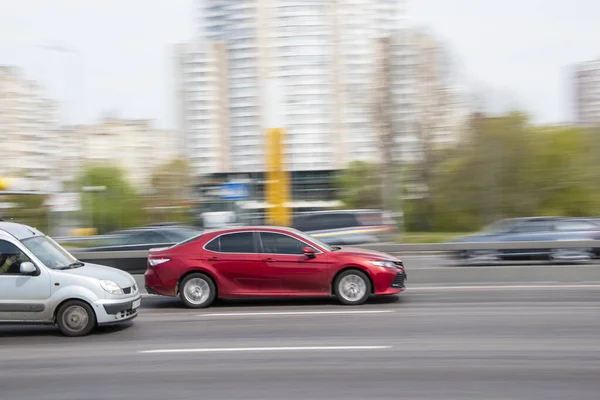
column 439, row 260
column 508, row 342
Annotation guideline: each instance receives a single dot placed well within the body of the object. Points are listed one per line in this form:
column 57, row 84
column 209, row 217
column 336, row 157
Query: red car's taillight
column 153, row 262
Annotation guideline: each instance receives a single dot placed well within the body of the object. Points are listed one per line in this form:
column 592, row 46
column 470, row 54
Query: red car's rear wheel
column 197, row 291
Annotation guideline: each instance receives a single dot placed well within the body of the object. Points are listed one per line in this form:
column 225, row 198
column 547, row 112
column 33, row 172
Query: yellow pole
column 277, row 185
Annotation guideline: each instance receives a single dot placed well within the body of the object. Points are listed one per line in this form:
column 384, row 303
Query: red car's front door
column 288, row 271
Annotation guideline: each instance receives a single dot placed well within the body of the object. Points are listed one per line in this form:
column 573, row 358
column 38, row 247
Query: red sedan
column 269, row 262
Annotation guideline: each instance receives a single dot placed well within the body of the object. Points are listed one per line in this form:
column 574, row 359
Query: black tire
column 75, row 318
column 203, row 283
column 363, row 288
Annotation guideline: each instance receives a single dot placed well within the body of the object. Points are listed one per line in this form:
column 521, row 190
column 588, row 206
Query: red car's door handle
column 213, row 259
column 269, row 259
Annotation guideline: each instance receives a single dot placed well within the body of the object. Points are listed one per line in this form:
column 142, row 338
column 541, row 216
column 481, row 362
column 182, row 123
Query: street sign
column 234, row 191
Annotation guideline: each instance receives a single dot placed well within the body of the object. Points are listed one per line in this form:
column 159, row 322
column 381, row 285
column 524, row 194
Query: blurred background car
column 347, row 227
column 143, row 238
column 532, row 229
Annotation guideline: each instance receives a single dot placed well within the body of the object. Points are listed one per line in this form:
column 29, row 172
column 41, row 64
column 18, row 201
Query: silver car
column 41, row 283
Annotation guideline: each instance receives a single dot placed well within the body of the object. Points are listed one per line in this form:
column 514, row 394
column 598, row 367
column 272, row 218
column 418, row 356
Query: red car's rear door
column 235, row 258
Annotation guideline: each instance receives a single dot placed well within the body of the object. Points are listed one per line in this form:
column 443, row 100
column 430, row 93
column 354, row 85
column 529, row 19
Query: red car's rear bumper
column 155, row 286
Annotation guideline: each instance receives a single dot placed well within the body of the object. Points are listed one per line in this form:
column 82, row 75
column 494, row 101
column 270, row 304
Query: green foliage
column 29, row 210
column 119, row 206
column 512, row 169
column 170, row 180
column 359, row 185
column 504, row 167
column 169, row 184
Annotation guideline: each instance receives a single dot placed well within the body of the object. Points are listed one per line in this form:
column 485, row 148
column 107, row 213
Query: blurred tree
column 566, row 165
column 359, row 185
column 117, row 207
column 28, row 209
column 170, row 184
column 508, row 168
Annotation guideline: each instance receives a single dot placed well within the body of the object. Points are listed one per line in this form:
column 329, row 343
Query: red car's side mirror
column 309, row 252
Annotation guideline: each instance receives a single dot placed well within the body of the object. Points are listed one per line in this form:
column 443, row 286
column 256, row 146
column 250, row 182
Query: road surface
column 536, row 342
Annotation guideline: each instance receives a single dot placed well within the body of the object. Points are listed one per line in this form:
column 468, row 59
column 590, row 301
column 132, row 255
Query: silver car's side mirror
column 27, row 268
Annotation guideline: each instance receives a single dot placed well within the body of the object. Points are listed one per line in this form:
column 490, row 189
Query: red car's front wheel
column 352, row 287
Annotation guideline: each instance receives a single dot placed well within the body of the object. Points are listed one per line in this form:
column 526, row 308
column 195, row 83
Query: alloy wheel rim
column 352, row 287
column 196, row 291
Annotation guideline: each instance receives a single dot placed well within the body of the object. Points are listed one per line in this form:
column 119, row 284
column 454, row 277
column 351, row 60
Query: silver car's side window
column 11, row 258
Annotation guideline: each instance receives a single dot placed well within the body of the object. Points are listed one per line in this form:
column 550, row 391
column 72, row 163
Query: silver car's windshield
column 49, row 252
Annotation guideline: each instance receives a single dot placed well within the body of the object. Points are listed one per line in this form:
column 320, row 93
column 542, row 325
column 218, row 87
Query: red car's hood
column 370, row 254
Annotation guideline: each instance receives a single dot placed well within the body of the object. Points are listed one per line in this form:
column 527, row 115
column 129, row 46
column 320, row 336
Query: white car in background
column 42, row 283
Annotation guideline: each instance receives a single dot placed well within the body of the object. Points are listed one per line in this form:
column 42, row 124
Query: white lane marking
column 292, row 313
column 263, row 349
column 474, row 287
column 503, row 287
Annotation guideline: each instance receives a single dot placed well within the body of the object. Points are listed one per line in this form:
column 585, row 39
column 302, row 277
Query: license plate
column 136, row 304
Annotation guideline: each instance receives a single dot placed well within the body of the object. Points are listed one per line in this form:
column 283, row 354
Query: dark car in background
column 144, row 238
column 137, row 242
column 347, row 227
column 533, row 229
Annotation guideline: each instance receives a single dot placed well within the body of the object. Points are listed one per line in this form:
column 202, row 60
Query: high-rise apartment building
column 429, row 109
column 202, row 104
column 587, row 93
column 28, row 131
column 135, row 146
column 323, row 53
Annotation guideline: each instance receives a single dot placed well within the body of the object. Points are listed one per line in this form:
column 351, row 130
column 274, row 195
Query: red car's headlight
column 387, row 264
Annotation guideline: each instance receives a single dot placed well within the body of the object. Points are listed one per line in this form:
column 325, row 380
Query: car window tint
column 11, row 258
column 276, row 243
column 309, row 223
column 155, row 237
column 576, row 226
column 534, row 227
column 145, row 238
column 341, row 221
column 325, row 221
column 214, row 245
column 242, row 242
column 179, row 235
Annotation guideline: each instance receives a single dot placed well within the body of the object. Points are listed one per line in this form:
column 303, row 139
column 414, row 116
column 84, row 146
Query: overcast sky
column 519, row 48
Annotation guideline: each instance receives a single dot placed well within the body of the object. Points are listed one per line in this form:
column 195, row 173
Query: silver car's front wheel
column 197, row 291
column 352, row 287
column 75, row 318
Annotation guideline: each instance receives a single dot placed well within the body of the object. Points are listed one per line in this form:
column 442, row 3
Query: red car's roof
column 252, row 228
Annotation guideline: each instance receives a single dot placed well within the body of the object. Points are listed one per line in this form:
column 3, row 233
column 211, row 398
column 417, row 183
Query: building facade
column 587, row 93
column 430, row 108
column 132, row 145
column 29, row 129
column 202, row 105
column 323, row 55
